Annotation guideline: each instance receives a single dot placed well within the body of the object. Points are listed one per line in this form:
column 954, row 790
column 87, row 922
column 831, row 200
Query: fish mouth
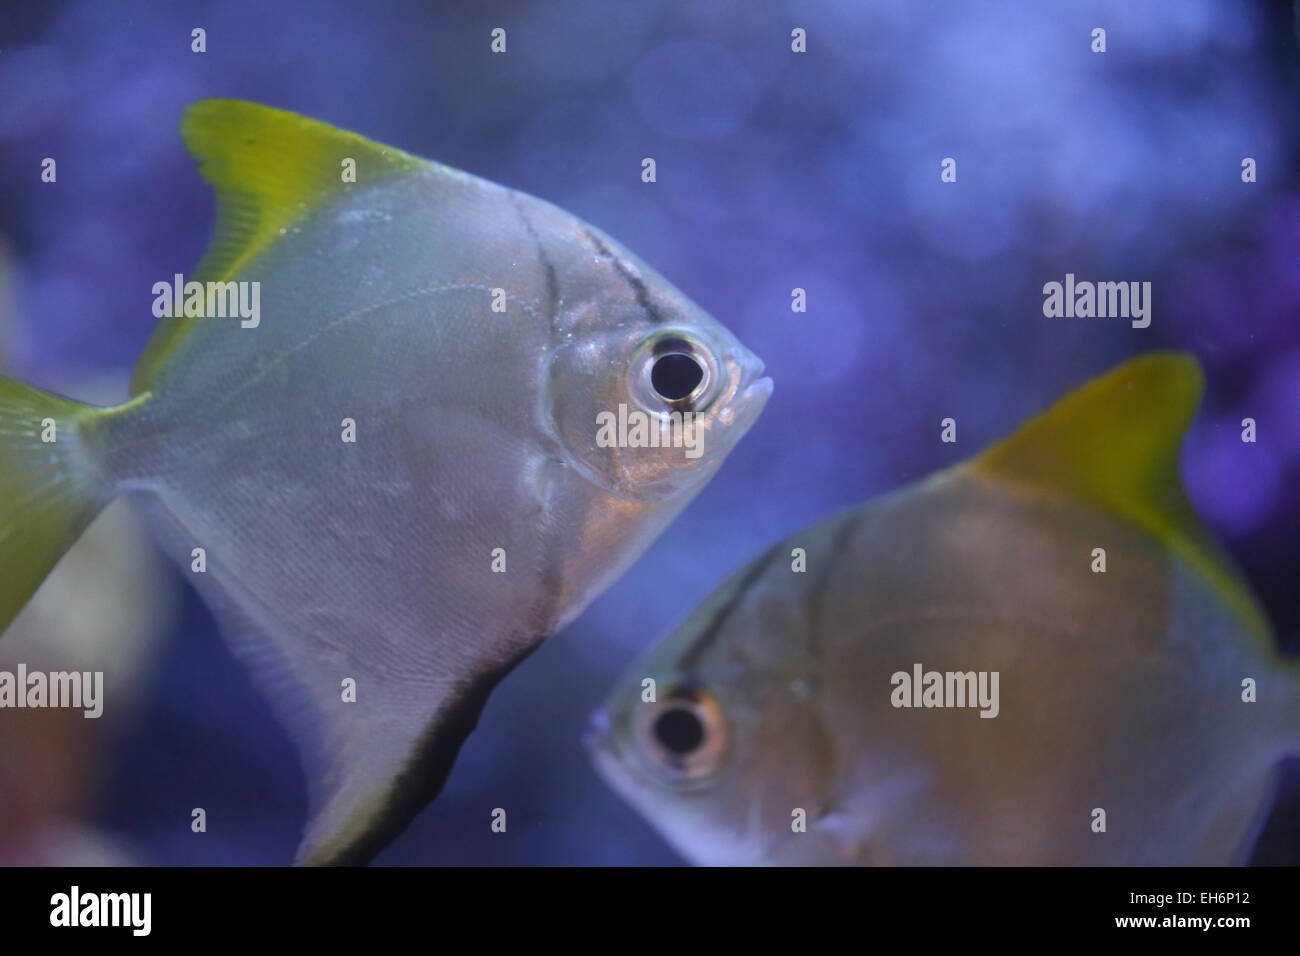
column 755, row 388
column 607, row 759
column 759, row 389
column 742, row 406
column 596, row 737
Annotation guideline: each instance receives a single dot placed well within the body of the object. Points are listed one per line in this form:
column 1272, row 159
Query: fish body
column 388, row 485
column 1075, row 716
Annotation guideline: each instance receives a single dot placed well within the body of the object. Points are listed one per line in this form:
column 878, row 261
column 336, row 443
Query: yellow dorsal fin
column 1114, row 444
column 269, row 168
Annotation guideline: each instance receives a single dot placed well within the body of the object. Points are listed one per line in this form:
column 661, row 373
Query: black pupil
column 675, row 376
column 679, row 730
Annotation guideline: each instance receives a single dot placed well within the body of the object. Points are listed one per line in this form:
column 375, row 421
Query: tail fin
column 50, row 489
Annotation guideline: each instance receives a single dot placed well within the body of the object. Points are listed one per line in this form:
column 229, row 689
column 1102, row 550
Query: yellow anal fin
column 1114, row 444
column 269, row 168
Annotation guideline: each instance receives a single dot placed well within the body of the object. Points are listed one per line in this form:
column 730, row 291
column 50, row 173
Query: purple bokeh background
column 775, row 170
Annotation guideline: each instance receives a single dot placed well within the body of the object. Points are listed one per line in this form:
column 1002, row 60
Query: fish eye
column 679, row 730
column 675, row 376
column 673, row 372
column 682, row 736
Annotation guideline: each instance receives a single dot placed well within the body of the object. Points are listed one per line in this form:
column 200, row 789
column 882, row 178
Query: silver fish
column 385, row 471
column 1038, row 657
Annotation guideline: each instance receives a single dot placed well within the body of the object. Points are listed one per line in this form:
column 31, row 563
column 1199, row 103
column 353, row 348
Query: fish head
column 726, row 752
column 648, row 393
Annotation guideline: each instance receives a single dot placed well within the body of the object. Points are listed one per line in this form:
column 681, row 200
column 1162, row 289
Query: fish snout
column 741, row 409
column 596, row 736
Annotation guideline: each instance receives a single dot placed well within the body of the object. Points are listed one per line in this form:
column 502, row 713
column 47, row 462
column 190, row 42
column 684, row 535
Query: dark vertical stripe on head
column 692, row 656
column 638, row 287
column 816, row 592
column 552, row 281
